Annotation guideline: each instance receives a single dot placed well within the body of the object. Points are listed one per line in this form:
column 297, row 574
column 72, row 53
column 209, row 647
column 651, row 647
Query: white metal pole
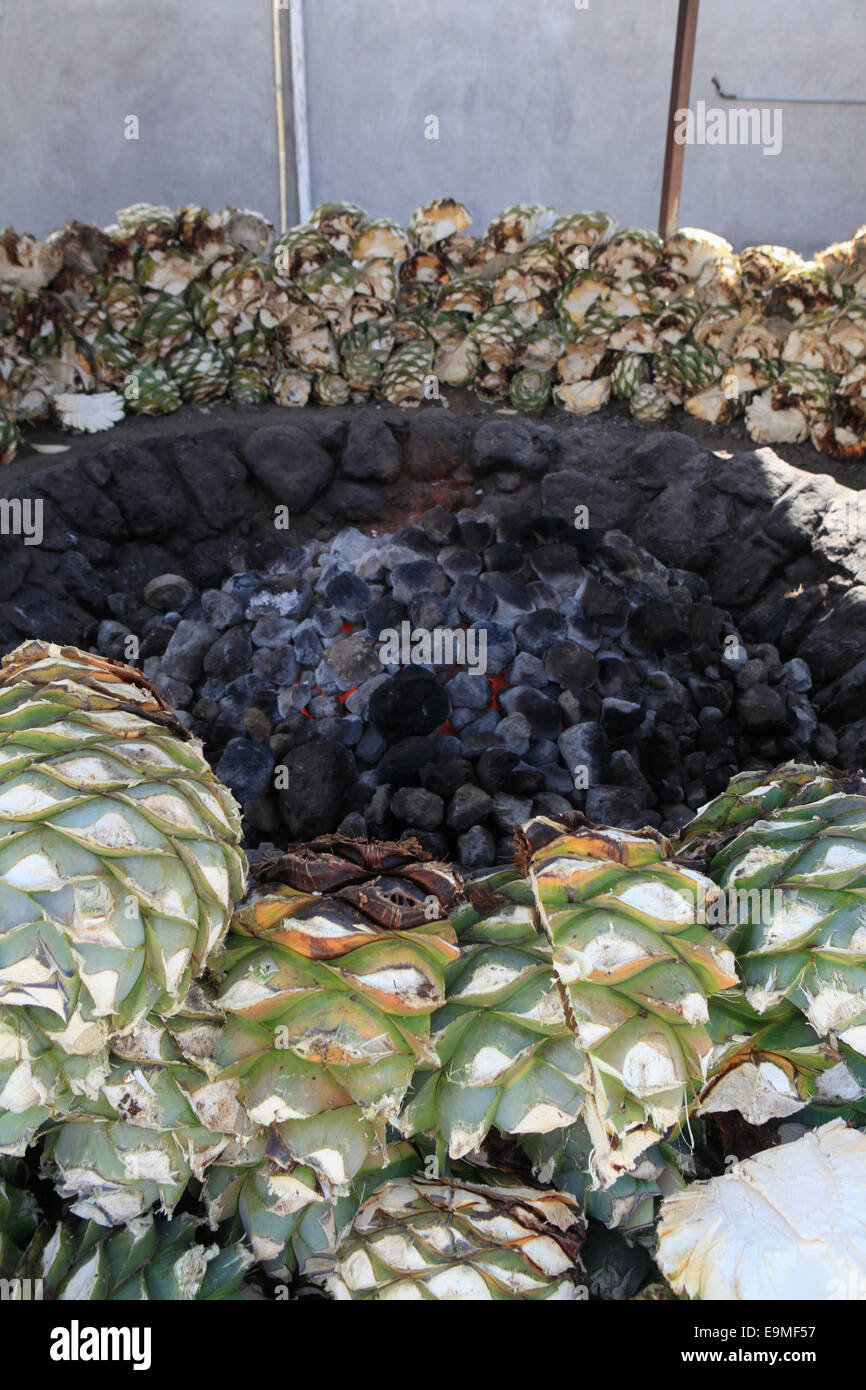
column 281, row 123
column 299, row 99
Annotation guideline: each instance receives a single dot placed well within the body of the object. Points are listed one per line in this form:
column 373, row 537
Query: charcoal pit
column 433, row 624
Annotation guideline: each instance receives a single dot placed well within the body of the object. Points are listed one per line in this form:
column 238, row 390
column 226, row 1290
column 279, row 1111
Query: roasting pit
column 437, row 623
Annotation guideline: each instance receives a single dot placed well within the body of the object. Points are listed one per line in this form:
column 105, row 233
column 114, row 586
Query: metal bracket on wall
column 791, row 101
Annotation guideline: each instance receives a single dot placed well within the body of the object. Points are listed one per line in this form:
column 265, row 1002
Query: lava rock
column 370, row 747
column 429, row 840
column 497, row 646
column 216, row 480
column 436, row 446
column 350, row 595
column 474, row 599
column 540, row 629
column 358, row 701
column 411, row 703
column 326, row 621
column 509, row 811
column 414, row 575
column 275, row 666
column 384, row 615
column 84, row 504
column 155, row 638
column 111, row 639
column 229, row 656
column 603, row 605
column 659, row 626
column 513, row 599
column 572, row 666
column 283, row 595
column 221, row 610
column 543, row 714
column 273, row 631
column 319, row 777
column 475, row 532
column 246, row 767
column 476, row 848
column 527, row 670
column 413, row 538
column 620, row 717
column 185, row 653
column 586, row 746
column 177, row 693
column 400, row 764
column 511, row 443
column 468, row 692
column 353, row 825
column 495, row 767
column 504, row 557
column 429, row 611
column 621, row 806
column 307, row 643
column 558, row 564
column 293, row 697
column 169, row 593
column 342, row 728
column 551, row 804
column 515, row 732
column 289, row 465
column 843, row 701
column 444, row 778
column 440, row 525
column 762, row 708
column 456, row 561
column 353, row 660
column 145, row 489
column 797, row 675
column 418, row 807
column 371, row 450
column 468, row 806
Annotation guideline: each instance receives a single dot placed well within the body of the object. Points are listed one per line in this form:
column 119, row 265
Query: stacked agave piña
column 167, row 308
column 328, row 982
column 508, row 1057
column 787, row 851
column 636, row 968
column 418, row 1239
column 120, row 863
column 81, row 1261
column 120, row 867
column 581, row 991
column 367, row 1017
column 334, row 986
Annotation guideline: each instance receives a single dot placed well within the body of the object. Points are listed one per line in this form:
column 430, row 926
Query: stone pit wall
column 782, row 549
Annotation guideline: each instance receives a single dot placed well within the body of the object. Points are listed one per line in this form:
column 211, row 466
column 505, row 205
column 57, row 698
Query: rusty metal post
column 681, row 84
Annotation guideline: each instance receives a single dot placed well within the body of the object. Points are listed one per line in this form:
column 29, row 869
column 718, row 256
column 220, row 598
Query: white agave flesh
column 691, row 248
column 789, row 1223
column 759, row 1091
column 584, row 397
column 90, row 414
column 767, row 425
column 839, row 1085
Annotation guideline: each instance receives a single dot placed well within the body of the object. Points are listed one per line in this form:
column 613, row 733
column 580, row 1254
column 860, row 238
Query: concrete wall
column 536, row 100
column 197, row 73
